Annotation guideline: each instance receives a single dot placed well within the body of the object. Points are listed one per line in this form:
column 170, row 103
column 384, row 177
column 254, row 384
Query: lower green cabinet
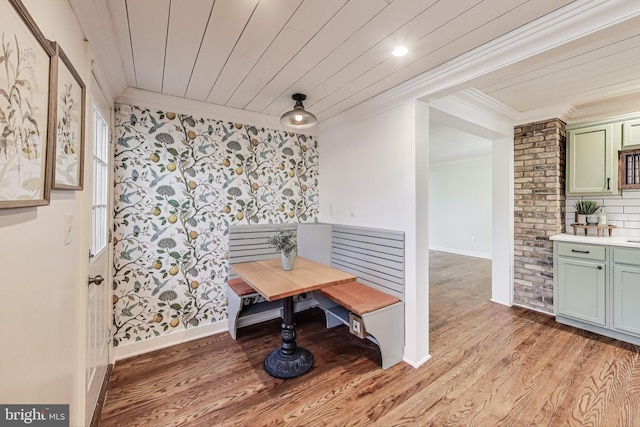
column 626, row 290
column 583, row 294
column 597, row 288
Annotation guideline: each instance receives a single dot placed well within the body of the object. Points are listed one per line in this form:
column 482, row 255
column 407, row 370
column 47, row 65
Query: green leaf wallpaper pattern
column 180, row 181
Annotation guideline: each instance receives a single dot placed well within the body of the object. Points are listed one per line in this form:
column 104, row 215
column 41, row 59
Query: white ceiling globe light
column 298, row 118
column 400, row 51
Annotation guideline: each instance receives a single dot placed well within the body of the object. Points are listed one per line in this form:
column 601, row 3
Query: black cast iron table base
column 288, row 361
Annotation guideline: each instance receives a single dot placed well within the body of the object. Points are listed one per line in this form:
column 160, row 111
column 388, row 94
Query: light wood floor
column 491, row 365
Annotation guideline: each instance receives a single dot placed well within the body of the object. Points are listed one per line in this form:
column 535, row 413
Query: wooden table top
column 273, row 283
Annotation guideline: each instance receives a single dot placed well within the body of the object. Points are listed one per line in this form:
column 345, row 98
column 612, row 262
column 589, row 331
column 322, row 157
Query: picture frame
column 26, row 105
column 69, row 91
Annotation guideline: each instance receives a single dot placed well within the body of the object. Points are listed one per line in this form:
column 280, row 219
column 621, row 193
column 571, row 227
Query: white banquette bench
column 372, row 307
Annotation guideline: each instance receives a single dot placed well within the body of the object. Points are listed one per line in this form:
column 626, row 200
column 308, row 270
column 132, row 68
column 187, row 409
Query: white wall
column 42, row 283
column 460, row 206
column 370, row 175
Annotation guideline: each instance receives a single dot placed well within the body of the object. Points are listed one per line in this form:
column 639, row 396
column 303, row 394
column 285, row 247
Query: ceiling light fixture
column 298, row 118
column 400, row 51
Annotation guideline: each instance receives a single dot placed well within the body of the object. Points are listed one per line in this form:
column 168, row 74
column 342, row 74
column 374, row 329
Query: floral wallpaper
column 180, row 181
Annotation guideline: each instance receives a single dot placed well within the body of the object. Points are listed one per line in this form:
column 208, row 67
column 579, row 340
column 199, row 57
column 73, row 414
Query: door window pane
column 100, row 185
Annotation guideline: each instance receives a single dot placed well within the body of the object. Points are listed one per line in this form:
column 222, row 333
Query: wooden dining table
column 272, row 282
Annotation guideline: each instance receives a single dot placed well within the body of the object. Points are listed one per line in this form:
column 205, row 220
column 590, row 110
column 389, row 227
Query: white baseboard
column 177, row 337
column 418, row 363
column 500, row 302
column 461, row 252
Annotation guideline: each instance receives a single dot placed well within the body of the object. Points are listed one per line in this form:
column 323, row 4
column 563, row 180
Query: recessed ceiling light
column 400, row 51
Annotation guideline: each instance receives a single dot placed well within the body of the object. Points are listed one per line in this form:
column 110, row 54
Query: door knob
column 96, row 280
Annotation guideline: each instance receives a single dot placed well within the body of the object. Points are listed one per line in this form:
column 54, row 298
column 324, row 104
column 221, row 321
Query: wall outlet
column 356, row 326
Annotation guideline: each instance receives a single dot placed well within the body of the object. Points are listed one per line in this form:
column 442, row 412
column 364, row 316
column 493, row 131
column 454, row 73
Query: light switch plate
column 68, row 226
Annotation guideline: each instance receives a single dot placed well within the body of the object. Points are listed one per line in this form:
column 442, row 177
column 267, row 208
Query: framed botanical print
column 69, row 92
column 26, row 119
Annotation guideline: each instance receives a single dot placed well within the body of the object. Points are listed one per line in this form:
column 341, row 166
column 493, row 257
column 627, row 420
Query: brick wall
column 539, row 209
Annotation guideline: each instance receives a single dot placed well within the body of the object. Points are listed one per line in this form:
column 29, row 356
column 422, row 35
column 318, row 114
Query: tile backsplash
column 622, row 210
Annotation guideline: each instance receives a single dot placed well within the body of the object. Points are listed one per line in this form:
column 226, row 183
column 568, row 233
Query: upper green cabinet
column 592, row 159
column 631, row 134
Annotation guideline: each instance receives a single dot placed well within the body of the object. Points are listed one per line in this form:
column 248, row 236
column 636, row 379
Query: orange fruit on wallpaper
column 171, row 167
column 194, row 284
column 192, row 185
column 281, row 208
column 239, row 170
column 174, row 322
column 155, row 157
column 292, row 174
column 157, row 264
column 226, row 163
column 157, row 318
column 227, row 209
column 238, row 125
column 304, row 187
column 239, row 216
column 155, row 211
column 191, row 134
column 292, row 214
column 115, row 299
column 172, row 219
column 193, row 234
column 255, row 186
column 281, row 166
column 304, row 148
column 171, row 116
column 173, row 270
column 254, row 142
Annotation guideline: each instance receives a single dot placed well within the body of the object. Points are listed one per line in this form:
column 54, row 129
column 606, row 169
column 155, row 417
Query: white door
column 100, row 254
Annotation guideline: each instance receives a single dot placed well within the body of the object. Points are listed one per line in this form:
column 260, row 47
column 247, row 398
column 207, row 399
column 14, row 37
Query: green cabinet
column 626, row 290
column 597, row 288
column 582, row 271
column 592, row 159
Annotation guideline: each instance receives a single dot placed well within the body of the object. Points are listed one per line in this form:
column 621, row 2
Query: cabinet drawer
column 626, row 256
column 577, row 250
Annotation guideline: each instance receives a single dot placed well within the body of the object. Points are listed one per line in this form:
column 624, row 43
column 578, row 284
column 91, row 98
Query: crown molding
column 143, row 98
column 561, row 26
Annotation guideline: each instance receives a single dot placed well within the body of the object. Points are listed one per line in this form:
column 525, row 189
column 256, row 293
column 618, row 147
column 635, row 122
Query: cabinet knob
column 599, row 267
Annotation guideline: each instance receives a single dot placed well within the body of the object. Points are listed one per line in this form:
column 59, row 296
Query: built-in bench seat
column 358, row 297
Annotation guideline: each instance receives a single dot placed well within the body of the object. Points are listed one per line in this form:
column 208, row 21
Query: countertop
column 630, row 242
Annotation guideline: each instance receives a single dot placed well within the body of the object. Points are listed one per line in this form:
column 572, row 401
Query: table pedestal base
column 289, row 360
column 280, row 365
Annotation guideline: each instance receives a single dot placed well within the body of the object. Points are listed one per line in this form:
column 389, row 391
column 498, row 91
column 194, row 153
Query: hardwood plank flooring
column 491, row 365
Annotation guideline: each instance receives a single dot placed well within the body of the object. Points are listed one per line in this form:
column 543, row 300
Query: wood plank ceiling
column 254, row 54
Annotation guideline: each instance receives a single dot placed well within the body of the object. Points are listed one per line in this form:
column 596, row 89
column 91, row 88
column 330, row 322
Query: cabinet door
column 581, row 290
column 631, row 134
column 626, row 298
column 590, row 162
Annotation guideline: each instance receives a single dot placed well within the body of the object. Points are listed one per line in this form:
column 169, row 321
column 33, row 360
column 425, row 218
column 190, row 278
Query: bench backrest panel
column 249, row 243
column 375, row 255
